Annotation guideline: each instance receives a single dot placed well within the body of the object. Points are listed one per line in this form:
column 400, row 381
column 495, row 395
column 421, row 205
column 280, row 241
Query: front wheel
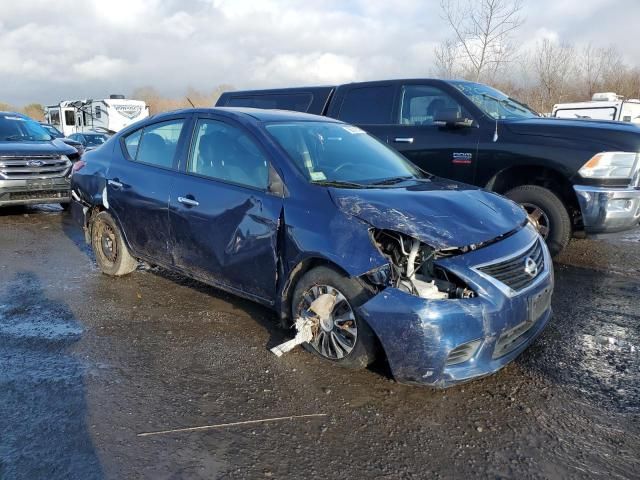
column 339, row 334
column 546, row 212
column 109, row 247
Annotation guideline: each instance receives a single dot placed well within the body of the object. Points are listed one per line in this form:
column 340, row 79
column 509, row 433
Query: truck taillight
column 77, row 166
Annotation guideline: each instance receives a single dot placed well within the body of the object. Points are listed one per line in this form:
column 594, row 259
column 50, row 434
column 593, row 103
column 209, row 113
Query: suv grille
column 518, row 272
column 18, row 167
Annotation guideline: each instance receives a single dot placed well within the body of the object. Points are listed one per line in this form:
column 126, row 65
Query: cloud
column 67, row 49
column 99, row 66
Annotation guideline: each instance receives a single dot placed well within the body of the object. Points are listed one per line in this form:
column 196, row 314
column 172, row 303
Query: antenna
column 189, row 100
column 495, row 134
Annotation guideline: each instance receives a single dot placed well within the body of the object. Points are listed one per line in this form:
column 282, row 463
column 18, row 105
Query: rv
column 603, row 106
column 106, row 116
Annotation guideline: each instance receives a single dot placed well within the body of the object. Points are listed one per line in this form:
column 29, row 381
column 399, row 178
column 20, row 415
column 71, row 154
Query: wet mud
column 88, row 362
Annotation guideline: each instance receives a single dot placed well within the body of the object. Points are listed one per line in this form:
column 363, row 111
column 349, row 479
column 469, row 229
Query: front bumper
column 419, row 336
column 608, row 210
column 30, row 192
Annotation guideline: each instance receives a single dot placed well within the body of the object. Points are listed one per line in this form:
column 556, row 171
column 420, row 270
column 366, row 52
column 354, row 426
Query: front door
column 450, row 152
column 138, row 182
column 223, row 220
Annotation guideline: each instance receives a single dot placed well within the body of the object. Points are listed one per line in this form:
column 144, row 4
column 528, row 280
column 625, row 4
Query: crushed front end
column 445, row 317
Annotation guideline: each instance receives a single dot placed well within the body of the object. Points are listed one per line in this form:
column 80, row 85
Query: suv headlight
column 611, row 165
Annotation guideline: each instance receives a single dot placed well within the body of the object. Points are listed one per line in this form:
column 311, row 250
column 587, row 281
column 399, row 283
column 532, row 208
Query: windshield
column 95, row 140
column 53, row 131
column 493, row 102
column 342, row 154
column 15, row 127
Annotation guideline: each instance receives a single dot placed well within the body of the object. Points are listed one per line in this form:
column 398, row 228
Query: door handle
column 403, row 140
column 115, row 183
column 190, row 202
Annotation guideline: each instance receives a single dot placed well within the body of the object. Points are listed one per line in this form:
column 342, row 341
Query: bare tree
column 600, row 66
column 553, row 64
column 482, row 35
column 157, row 103
column 446, row 60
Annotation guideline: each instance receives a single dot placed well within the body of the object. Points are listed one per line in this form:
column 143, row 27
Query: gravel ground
column 90, row 362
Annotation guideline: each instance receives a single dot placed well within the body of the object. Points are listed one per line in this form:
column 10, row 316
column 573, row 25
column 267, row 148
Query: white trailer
column 603, row 106
column 108, row 115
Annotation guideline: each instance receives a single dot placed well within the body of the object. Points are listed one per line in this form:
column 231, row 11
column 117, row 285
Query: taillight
column 78, row 166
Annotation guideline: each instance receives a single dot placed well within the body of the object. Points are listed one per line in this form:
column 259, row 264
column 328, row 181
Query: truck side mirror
column 451, row 118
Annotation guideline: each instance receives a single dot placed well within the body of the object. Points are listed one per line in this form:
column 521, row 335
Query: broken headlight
column 412, row 269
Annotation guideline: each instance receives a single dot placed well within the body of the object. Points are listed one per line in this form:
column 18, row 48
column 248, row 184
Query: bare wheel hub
column 338, row 330
column 108, row 243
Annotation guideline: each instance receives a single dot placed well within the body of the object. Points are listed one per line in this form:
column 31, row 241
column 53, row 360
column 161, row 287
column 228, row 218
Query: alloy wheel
column 335, row 334
column 538, row 218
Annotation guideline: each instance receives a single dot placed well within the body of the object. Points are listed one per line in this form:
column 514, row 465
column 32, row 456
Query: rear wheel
column 340, row 336
column 112, row 254
column 546, row 212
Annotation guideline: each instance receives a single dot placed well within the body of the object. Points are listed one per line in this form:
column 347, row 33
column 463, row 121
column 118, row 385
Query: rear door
column 138, row 182
column 446, row 151
column 369, row 106
column 223, row 220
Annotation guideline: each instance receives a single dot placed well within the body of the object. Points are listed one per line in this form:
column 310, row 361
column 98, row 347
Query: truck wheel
column 342, row 336
column 112, row 254
column 547, row 213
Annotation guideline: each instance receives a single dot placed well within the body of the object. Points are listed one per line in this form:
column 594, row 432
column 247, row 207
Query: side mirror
column 451, row 118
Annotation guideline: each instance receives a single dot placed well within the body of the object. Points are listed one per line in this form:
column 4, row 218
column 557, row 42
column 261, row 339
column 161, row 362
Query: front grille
column 19, row 167
column 512, row 339
column 37, row 195
column 513, row 271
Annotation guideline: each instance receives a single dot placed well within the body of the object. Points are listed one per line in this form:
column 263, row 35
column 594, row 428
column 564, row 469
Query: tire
column 112, row 253
column 558, row 231
column 364, row 349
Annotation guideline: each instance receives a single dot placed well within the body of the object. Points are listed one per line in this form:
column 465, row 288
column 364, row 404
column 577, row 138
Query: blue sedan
column 320, row 221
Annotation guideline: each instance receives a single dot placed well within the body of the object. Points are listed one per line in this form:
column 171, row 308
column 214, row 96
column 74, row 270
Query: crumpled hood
column 442, row 214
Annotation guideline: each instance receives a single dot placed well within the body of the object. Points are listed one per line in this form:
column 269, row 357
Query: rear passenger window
column 131, row 143
column 367, row 105
column 155, row 144
column 225, row 152
column 297, row 102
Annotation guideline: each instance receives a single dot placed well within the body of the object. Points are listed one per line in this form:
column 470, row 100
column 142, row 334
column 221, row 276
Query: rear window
column 596, row 113
column 367, row 105
column 297, row 102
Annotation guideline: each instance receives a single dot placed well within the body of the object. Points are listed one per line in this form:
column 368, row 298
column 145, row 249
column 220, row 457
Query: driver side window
column 224, row 152
column 421, row 105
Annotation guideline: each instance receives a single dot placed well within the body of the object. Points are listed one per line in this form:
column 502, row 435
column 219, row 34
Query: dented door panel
column 229, row 238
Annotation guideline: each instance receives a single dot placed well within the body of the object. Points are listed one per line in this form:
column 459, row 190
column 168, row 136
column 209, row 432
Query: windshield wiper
column 393, row 180
column 338, row 183
column 506, row 103
column 522, row 104
column 15, row 137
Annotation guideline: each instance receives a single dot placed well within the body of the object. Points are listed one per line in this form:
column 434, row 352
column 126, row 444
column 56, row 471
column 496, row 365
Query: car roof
column 259, row 114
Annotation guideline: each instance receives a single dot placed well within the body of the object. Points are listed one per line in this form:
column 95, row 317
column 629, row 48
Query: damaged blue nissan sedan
column 321, row 221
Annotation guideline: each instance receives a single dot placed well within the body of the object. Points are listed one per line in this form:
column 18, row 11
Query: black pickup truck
column 570, row 175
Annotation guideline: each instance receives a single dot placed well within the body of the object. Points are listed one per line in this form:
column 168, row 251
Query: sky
column 64, row 49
